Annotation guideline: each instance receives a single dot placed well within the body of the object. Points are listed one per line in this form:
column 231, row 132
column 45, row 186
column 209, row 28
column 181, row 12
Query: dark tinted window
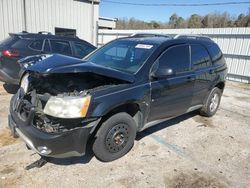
column 46, row 47
column 199, row 56
column 36, row 45
column 82, row 49
column 21, row 44
column 215, row 52
column 61, row 47
column 7, row 41
column 176, row 58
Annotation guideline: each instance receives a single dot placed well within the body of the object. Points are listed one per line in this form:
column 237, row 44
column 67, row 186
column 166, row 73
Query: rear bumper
column 58, row 145
column 4, row 77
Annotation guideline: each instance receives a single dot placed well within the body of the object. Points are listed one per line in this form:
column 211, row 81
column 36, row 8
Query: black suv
column 124, row 87
column 24, row 44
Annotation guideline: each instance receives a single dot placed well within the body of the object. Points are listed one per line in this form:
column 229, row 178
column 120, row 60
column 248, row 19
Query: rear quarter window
column 199, row 57
column 21, row 44
column 8, row 41
column 215, row 53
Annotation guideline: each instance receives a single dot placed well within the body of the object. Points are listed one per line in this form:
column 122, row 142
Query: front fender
column 139, row 94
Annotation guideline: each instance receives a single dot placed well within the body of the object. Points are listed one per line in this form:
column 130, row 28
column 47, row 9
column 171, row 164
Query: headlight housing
column 67, row 106
column 25, row 83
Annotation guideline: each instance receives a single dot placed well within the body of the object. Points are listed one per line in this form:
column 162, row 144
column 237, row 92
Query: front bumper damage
column 67, row 143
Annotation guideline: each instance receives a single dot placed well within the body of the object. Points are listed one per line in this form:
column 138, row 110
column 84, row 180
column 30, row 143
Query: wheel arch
column 220, row 85
column 131, row 108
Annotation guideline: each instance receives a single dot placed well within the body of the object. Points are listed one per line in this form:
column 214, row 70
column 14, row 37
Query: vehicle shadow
column 164, row 125
column 74, row 160
column 89, row 153
column 10, row 88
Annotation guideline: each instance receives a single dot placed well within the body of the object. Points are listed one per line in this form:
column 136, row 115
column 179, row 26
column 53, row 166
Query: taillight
column 8, row 53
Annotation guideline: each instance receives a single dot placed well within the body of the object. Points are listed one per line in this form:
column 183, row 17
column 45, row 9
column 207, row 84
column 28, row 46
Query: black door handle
column 190, row 79
column 211, row 71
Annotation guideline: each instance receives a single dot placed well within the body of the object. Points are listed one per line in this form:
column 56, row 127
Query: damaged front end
column 51, row 109
column 51, row 114
column 48, row 135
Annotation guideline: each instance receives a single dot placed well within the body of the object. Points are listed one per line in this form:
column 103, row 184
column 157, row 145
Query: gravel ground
column 188, row 151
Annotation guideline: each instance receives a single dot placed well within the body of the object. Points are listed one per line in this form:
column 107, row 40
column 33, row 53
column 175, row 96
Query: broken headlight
column 25, row 83
column 67, row 106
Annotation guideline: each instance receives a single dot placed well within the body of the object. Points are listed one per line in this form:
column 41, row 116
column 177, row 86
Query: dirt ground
column 188, row 151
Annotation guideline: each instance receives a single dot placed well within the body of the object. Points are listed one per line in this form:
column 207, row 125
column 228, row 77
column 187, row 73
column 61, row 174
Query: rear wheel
column 212, row 103
column 115, row 137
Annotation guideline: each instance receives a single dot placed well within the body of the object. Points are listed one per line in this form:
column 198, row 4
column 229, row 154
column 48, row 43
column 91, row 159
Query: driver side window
column 176, row 58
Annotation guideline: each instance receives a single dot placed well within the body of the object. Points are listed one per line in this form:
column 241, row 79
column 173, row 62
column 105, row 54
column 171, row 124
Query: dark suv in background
column 24, row 44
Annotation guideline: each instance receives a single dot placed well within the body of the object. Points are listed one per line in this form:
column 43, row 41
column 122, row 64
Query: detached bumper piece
column 38, row 164
column 59, row 145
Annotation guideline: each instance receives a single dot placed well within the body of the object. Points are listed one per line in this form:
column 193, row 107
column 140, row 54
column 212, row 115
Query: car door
column 201, row 65
column 172, row 96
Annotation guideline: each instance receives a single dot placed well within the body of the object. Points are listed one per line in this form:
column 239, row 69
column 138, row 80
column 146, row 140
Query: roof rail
column 149, row 35
column 190, row 36
column 44, row 33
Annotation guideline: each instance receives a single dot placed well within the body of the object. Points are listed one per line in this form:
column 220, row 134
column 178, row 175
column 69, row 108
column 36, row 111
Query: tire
column 115, row 137
column 212, row 103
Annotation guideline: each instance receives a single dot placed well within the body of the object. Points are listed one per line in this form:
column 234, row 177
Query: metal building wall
column 45, row 15
column 234, row 42
column 11, row 17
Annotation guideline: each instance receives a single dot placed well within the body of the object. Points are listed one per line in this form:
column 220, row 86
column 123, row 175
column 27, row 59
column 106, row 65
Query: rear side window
column 61, row 47
column 81, row 49
column 7, row 41
column 176, row 58
column 21, row 44
column 215, row 52
column 199, row 56
column 37, row 45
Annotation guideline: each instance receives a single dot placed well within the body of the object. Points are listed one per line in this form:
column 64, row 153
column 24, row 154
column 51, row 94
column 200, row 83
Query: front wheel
column 115, row 137
column 212, row 104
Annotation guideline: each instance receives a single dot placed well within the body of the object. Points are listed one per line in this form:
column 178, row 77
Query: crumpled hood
column 64, row 64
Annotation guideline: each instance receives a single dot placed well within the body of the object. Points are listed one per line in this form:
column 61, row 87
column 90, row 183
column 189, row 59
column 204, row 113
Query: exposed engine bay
column 43, row 88
column 71, row 83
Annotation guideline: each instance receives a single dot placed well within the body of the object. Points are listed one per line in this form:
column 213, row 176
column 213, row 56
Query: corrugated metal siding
column 45, row 15
column 234, row 42
column 11, row 17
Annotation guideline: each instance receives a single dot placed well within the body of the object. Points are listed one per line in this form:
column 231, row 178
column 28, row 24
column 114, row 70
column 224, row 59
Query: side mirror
column 162, row 73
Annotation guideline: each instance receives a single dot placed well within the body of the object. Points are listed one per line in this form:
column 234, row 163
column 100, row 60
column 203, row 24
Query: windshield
column 127, row 56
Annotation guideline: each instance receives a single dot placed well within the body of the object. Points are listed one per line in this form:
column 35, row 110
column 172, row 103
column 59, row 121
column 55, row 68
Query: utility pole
column 24, row 16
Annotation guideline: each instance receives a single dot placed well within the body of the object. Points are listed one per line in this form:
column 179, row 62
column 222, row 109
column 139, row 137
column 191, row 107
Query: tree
column 176, row 22
column 195, row 21
column 172, row 20
column 243, row 21
column 206, row 22
column 155, row 25
column 212, row 20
